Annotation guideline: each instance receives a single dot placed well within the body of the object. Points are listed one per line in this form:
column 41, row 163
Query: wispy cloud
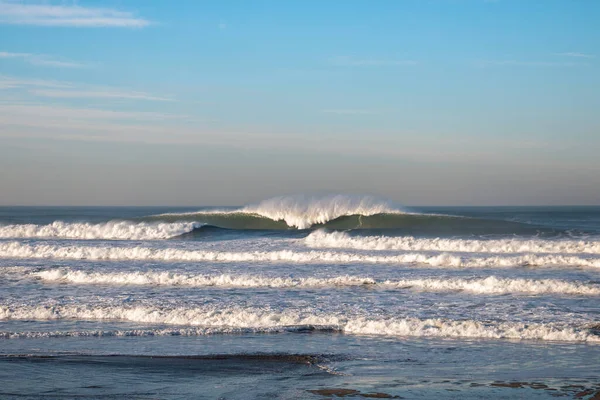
column 97, row 94
column 46, row 14
column 35, row 121
column 61, row 112
column 54, row 89
column 41, row 59
column 8, row 82
column 575, row 54
column 345, row 61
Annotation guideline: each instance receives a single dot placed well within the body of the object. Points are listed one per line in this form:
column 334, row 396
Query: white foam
column 189, row 280
column 45, row 251
column 342, row 240
column 496, row 285
column 124, row 230
column 488, row 285
column 229, row 320
column 304, row 211
column 469, row 329
column 197, row 331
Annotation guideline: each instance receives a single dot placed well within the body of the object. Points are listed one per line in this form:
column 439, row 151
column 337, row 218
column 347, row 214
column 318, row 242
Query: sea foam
column 122, row 230
column 45, row 251
column 230, row 320
column 304, row 211
column 487, row 285
column 342, row 240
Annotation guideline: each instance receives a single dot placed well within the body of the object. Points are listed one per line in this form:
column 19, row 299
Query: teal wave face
column 413, row 224
column 431, row 224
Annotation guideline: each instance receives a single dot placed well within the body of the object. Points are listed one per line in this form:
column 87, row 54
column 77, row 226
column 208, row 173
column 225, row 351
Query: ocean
column 300, row 297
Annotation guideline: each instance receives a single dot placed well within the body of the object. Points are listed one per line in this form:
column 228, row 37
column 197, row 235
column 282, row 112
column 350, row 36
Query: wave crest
column 488, row 285
column 119, row 230
column 44, row 251
column 303, row 212
column 232, row 320
column 342, row 240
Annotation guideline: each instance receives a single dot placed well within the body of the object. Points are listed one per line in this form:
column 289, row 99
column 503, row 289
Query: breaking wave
column 120, row 230
column 303, row 212
column 238, row 320
column 45, row 251
column 342, row 240
column 342, row 212
column 488, row 285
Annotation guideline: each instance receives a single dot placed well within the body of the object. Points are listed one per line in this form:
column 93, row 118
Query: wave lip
column 342, row 240
column 120, row 230
column 230, row 320
column 303, row 212
column 44, row 251
column 488, row 285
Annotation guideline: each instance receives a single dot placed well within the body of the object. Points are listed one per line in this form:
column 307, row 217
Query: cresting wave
column 341, row 212
column 43, row 251
column 234, row 320
column 489, row 285
column 121, row 230
column 300, row 212
column 303, row 212
column 342, row 240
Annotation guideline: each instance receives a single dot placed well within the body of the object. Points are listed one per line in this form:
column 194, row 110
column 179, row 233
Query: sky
column 423, row 102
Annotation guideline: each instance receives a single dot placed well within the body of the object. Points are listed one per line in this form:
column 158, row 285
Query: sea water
column 300, row 297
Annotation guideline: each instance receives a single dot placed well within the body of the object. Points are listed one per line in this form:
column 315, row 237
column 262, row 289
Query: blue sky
column 228, row 102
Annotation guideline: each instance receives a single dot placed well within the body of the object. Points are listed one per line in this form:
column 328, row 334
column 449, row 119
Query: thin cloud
column 44, row 14
column 41, row 60
column 54, row 122
column 74, row 114
column 344, row 61
column 54, row 89
column 575, row 54
column 97, row 94
column 8, row 82
column 89, row 126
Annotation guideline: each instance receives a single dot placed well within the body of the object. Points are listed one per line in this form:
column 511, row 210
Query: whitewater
column 18, row 250
column 489, row 285
column 118, row 230
column 345, row 286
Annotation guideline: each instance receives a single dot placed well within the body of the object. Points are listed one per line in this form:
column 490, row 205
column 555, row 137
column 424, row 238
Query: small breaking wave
column 43, row 251
column 233, row 320
column 488, row 285
column 119, row 230
column 342, row 240
column 196, row 331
